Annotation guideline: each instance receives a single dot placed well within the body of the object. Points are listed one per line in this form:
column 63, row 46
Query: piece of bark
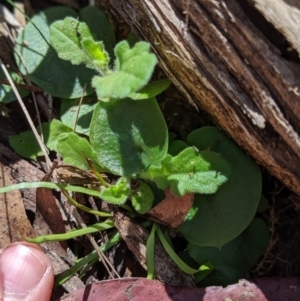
column 223, row 64
column 136, row 237
column 14, row 223
column 284, row 15
column 22, row 171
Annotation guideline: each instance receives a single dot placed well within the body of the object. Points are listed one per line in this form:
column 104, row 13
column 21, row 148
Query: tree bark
column 225, row 62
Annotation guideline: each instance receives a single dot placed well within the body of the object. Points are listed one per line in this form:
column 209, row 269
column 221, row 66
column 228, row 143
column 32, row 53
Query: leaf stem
column 150, row 252
column 50, row 185
column 180, row 263
column 72, row 234
column 84, row 208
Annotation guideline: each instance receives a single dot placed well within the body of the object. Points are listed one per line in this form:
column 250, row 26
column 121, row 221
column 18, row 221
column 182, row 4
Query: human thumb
column 25, row 273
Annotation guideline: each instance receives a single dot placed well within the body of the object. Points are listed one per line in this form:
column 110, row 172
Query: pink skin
column 25, row 273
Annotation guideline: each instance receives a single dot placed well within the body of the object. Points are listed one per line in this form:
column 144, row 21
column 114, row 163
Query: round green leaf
column 129, row 135
column 216, row 219
column 236, row 257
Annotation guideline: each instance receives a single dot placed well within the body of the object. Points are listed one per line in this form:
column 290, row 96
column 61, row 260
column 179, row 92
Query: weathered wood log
column 225, row 65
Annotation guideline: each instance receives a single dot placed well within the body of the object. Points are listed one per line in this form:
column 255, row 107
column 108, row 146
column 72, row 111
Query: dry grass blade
column 109, row 267
column 20, row 100
column 79, row 107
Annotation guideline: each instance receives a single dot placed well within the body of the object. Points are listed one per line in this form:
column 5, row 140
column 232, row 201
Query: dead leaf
column 48, row 208
column 22, row 171
column 173, row 209
column 76, row 176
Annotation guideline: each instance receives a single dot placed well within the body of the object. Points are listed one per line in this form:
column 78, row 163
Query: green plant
column 119, row 130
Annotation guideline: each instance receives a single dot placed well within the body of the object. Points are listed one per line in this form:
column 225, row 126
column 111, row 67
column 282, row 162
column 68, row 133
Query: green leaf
column 133, row 70
column 263, row 205
column 75, row 150
column 66, row 36
column 56, row 76
column 176, row 146
column 236, row 257
column 96, row 53
column 216, row 219
column 142, row 198
column 25, row 144
column 151, row 90
column 129, row 136
column 7, row 95
column 74, row 42
column 69, row 109
column 100, row 27
column 190, row 171
column 116, row 194
column 44, row 67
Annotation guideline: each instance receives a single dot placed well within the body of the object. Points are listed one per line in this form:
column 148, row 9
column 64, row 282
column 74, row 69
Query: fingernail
column 21, row 269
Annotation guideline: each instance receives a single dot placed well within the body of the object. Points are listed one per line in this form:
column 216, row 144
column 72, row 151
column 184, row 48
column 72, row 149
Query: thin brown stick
column 23, row 86
column 101, row 255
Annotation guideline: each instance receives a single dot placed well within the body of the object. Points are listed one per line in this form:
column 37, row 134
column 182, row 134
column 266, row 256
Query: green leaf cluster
column 119, row 129
column 37, row 58
column 130, row 72
column 190, row 171
column 133, row 69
